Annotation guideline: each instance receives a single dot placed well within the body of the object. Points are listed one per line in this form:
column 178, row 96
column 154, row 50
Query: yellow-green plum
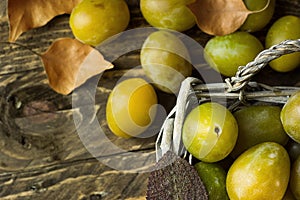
column 285, row 28
column 226, row 53
column 93, row 21
column 257, row 124
column 209, row 132
column 290, row 117
column 169, row 14
column 165, row 60
column 260, row 173
column 257, row 21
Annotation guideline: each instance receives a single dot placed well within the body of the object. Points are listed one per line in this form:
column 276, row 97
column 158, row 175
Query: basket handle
column 245, row 73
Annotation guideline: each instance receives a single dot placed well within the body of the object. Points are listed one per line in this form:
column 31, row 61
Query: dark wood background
column 41, row 154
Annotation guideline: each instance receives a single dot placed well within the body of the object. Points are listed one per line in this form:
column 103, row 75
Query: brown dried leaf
column 24, row 15
column 219, row 17
column 70, row 63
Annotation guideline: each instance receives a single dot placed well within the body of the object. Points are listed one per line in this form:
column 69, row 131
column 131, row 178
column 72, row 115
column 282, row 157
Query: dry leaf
column 24, row 15
column 220, row 17
column 175, row 178
column 70, row 63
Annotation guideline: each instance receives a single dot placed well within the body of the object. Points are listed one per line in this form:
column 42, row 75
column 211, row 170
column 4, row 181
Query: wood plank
column 43, row 154
column 83, row 179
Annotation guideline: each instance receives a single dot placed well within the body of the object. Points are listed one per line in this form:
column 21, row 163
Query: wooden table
column 41, row 153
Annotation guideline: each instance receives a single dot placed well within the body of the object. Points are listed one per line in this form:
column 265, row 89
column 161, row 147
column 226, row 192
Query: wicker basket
column 236, row 91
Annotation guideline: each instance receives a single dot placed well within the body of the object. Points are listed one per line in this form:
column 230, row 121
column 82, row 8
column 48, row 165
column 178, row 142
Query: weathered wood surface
column 41, row 153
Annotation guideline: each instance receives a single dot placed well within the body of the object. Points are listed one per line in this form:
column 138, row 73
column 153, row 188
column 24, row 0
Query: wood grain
column 43, row 153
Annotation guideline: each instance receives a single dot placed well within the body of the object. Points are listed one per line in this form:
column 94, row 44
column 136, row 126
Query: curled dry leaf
column 24, row 15
column 220, row 17
column 70, row 63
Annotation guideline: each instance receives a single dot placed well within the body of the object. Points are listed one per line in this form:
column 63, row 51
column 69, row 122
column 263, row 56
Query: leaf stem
column 23, row 46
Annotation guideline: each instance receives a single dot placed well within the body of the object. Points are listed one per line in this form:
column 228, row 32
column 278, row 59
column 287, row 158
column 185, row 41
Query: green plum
column 285, row 28
column 226, row 53
column 165, row 60
column 295, row 179
column 258, row 21
column 260, row 173
column 257, row 124
column 214, row 179
column 290, row 117
column 169, row 14
column 293, row 149
column 209, row 132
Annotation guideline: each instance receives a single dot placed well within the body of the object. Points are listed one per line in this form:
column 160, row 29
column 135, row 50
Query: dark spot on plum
column 217, row 130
